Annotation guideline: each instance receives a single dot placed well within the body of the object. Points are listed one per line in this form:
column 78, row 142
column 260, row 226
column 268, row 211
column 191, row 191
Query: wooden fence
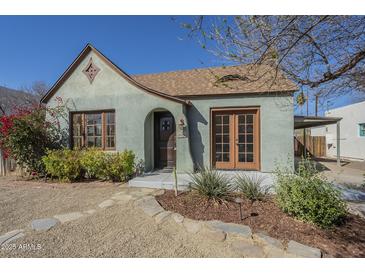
column 7, row 166
column 316, row 146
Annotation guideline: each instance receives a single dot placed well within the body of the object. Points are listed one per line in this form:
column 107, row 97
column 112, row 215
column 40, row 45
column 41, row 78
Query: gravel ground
column 117, row 231
column 23, row 201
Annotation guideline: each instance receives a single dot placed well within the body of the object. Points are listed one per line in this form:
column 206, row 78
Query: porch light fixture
column 181, row 123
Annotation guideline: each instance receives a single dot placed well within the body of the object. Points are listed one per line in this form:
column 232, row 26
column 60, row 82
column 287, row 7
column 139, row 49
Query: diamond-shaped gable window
column 91, row 70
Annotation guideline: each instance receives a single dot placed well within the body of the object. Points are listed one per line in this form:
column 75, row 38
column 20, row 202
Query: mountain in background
column 11, row 98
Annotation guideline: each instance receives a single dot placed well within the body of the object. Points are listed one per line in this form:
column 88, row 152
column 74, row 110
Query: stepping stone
column 43, row 224
column 150, row 206
column 68, row 216
column 90, row 211
column 11, row 236
column 178, row 218
column 161, row 217
column 248, row 250
column 106, row 203
column 192, row 226
column 214, row 234
column 240, row 230
column 122, row 197
column 304, row 251
column 268, row 241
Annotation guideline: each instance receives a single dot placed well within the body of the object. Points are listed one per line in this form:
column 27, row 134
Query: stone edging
column 246, row 243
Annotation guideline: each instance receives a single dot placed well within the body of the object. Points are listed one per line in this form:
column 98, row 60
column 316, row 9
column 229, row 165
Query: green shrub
column 94, row 162
column 120, row 166
column 211, row 183
column 63, row 164
column 70, row 165
column 251, row 186
column 309, row 197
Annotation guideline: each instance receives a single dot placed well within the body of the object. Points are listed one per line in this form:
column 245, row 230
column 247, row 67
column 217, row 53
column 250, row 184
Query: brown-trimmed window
column 93, row 129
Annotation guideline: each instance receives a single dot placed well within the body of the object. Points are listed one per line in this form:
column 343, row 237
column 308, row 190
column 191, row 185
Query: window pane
column 218, row 157
column 226, row 119
column 110, row 118
column 362, row 130
column 98, row 130
column 250, row 158
column 110, row 130
column 249, row 119
column 250, row 128
column 110, row 142
column 218, row 119
column 225, row 157
column 226, row 148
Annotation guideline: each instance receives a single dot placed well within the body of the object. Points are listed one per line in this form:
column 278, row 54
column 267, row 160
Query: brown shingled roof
column 218, row 81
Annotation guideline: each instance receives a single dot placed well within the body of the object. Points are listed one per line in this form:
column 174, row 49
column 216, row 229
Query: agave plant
column 211, row 184
column 252, row 186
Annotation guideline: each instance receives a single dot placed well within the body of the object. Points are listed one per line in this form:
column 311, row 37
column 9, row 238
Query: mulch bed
column 346, row 240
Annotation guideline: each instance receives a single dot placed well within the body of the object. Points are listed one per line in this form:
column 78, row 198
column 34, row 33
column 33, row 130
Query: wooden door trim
column 257, row 149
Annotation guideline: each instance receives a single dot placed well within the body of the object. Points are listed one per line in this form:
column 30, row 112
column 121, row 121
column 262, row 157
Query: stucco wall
column 276, row 127
column 134, row 118
column 132, row 106
column 352, row 145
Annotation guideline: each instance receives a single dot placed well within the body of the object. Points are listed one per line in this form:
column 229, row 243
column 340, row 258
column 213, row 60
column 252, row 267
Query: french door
column 236, row 139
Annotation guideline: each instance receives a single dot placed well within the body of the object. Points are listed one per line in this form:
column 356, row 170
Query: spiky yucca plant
column 211, row 184
column 251, row 186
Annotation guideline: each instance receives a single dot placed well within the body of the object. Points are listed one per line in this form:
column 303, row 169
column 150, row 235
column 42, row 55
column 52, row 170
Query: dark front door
column 165, row 140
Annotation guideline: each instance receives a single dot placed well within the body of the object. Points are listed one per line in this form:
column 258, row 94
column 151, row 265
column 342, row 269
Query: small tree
column 27, row 134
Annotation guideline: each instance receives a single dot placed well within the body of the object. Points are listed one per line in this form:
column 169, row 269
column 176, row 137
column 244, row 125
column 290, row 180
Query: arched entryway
column 160, row 140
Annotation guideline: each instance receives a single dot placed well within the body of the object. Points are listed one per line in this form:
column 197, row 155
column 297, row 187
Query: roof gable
column 88, row 48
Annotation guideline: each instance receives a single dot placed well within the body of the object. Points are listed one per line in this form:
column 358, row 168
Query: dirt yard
column 117, row 231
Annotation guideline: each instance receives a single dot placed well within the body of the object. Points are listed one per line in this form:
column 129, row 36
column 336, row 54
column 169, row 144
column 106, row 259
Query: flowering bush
column 26, row 135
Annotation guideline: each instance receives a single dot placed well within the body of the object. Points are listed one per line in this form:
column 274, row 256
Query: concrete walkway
column 163, row 180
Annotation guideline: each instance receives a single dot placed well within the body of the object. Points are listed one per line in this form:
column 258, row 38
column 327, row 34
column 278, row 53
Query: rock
column 162, row 216
column 43, row 224
column 159, row 192
column 150, row 206
column 268, row 241
column 248, row 250
column 214, row 234
column 178, row 218
column 106, row 203
column 240, row 230
column 11, row 236
column 90, row 211
column 192, row 226
column 147, row 190
column 300, row 250
column 68, row 216
column 273, row 252
column 122, row 197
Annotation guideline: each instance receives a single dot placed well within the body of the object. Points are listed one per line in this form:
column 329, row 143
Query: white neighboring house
column 352, row 127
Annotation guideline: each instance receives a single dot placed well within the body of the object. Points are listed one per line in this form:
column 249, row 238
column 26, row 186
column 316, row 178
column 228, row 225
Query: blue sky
column 36, row 48
column 41, row 47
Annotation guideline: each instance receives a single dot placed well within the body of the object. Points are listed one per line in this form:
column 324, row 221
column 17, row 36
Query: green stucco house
column 221, row 117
